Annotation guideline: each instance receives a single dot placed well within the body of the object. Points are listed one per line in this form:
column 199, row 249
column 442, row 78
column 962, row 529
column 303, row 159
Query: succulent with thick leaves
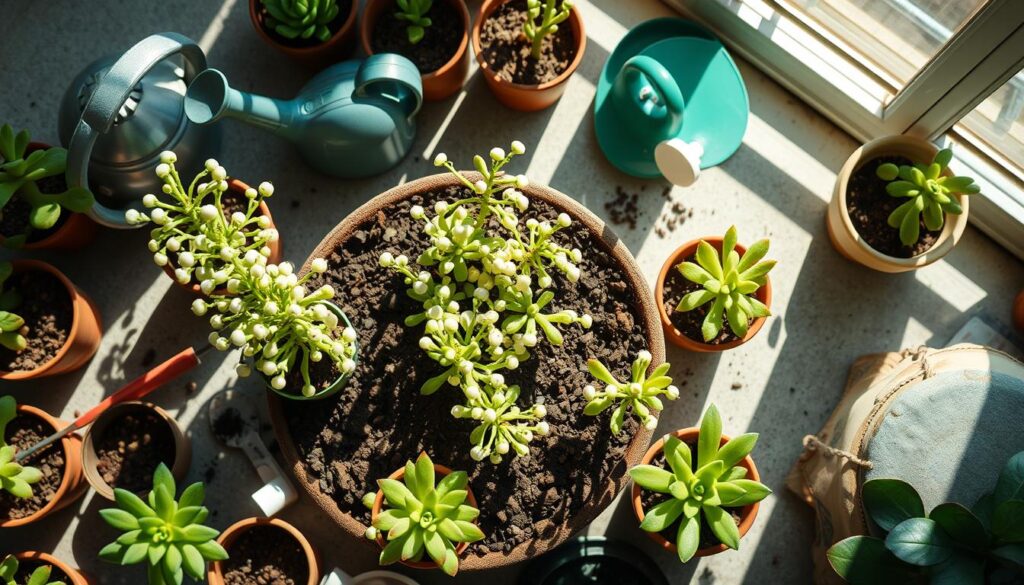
column 301, row 19
column 729, row 283
column 928, row 193
column 166, row 534
column 41, row 576
column 424, row 519
column 550, row 16
column 11, row 324
column 415, row 13
column 639, row 395
column 701, row 487
column 15, row 479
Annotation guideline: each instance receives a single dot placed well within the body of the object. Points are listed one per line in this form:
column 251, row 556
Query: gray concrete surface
column 783, row 384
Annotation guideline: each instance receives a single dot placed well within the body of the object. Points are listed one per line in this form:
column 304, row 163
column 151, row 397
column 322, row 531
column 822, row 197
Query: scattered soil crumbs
column 23, row 432
column 689, row 323
column 132, row 447
column 440, row 41
column 265, row 555
column 507, row 52
column 625, row 210
column 48, row 313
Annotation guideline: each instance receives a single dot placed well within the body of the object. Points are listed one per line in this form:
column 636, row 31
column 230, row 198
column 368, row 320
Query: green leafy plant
column 301, row 19
column 19, row 175
column 12, row 335
column 41, row 576
column 415, row 13
column 701, row 487
column 928, row 192
column 485, row 287
column 421, row 518
column 15, row 479
column 550, row 16
column 729, row 282
column 166, row 534
column 950, row 544
column 639, row 395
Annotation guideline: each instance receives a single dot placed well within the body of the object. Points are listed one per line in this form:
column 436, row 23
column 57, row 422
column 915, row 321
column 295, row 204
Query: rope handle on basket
column 813, row 443
column 920, row 354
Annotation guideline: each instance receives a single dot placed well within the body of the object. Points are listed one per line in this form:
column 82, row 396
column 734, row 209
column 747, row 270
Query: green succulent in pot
column 11, row 325
column 415, row 13
column 551, row 13
column 40, row 576
column 639, row 395
column 301, row 19
column 15, row 479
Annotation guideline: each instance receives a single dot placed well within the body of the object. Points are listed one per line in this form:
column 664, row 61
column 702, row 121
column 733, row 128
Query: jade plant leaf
column 864, row 560
column 1010, row 485
column 960, row 523
column 959, row 569
column 891, row 501
column 919, row 541
column 1008, row 521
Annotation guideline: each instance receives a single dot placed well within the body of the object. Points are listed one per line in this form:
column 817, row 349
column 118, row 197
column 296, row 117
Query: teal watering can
column 353, row 119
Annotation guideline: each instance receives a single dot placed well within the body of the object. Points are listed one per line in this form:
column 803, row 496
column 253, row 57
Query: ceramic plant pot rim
column 378, row 502
column 845, row 236
column 77, row 578
column 78, row 302
column 437, row 77
column 747, row 514
column 66, row 492
column 763, row 294
column 338, row 384
column 239, row 187
column 182, row 445
column 215, row 572
column 602, row 495
column 575, row 20
column 318, row 51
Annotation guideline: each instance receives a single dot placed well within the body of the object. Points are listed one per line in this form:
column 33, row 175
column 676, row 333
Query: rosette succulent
column 551, row 13
column 41, row 576
column 415, row 13
column 301, row 19
column 15, row 479
column 639, row 395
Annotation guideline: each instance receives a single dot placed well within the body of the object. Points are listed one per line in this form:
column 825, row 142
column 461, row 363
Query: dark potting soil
column 689, row 323
column 265, row 555
column 650, row 499
column 869, row 206
column 439, row 44
column 228, row 424
column 507, row 52
column 23, row 432
column 131, row 448
column 25, row 568
column 14, row 216
column 344, row 8
column 48, row 312
column 380, row 420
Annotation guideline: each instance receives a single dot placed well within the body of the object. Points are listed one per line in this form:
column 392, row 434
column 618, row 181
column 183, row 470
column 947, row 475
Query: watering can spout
column 209, row 98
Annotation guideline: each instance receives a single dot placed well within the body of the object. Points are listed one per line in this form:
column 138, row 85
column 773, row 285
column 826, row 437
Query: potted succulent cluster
column 897, row 206
column 639, row 396
column 313, row 32
column 37, row 568
column 264, row 550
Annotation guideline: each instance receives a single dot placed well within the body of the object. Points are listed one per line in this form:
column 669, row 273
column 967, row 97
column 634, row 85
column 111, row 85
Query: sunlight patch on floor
column 951, row 285
column 216, row 26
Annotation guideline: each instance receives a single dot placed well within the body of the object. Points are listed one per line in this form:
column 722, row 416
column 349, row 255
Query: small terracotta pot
column 77, row 231
column 1018, row 311
column 747, row 513
column 438, row 84
column 335, row 386
column 239, row 187
column 439, row 471
column 844, row 235
column 77, row 578
column 215, row 573
column 527, row 98
column 682, row 253
column 83, row 339
column 72, row 484
column 334, row 50
column 182, row 444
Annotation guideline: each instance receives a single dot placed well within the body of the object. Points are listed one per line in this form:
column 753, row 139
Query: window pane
column 895, row 37
column 997, row 124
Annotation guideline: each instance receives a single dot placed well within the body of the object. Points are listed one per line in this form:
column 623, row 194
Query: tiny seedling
column 301, row 19
column 11, row 325
column 415, row 13
column 423, row 518
column 15, row 479
column 639, row 394
column 550, row 17
column 927, row 191
column 729, row 283
column 41, row 576
column 167, row 535
column 701, row 488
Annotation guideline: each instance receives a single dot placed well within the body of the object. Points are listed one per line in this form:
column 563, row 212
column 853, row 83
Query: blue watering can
column 353, row 119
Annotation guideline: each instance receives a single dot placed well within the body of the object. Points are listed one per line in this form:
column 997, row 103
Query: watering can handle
column 387, row 71
column 101, row 111
column 643, row 71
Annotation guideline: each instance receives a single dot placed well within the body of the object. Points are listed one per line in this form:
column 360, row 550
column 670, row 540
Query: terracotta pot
column 438, row 84
column 77, row 231
column 334, row 50
column 439, row 471
column 682, row 253
column 527, row 98
column 550, row 533
column 845, row 237
column 83, row 339
column 747, row 513
column 182, row 444
column 1018, row 311
column 72, row 485
column 77, row 578
column 215, row 573
column 239, row 187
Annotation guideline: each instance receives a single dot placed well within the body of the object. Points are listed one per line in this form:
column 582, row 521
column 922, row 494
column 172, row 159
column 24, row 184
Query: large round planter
column 844, row 235
column 215, row 572
column 182, row 444
column 548, row 533
column 747, row 514
column 439, row 84
column 72, row 485
column 83, row 338
column 77, row 578
column 332, row 51
column 527, row 98
column 682, row 253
